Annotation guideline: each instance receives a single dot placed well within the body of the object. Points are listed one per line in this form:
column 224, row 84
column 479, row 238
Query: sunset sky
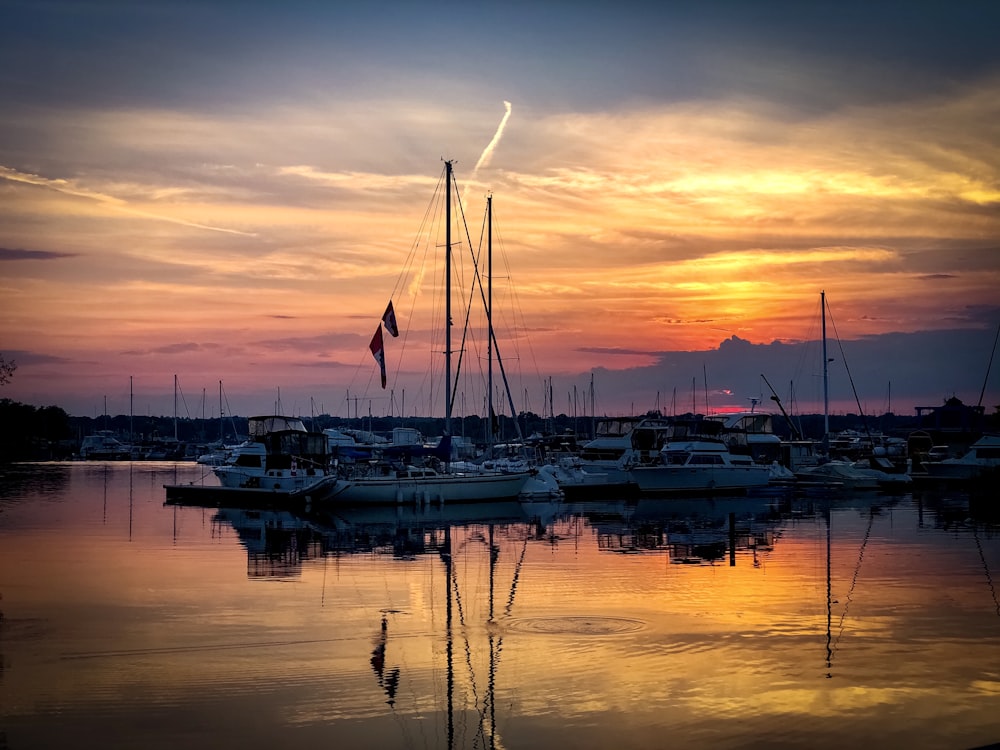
column 229, row 192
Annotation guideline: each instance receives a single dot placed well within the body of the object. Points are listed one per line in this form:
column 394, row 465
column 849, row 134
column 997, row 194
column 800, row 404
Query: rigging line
column 854, row 580
column 986, row 569
column 495, row 647
column 466, row 332
column 421, row 239
column 517, row 575
column 424, row 239
column 476, row 279
column 495, row 661
column 410, row 280
column 843, row 356
column 491, row 332
column 496, row 346
column 229, row 409
column 422, row 232
column 517, row 299
column 807, row 353
column 183, row 400
column 468, row 654
column 989, row 366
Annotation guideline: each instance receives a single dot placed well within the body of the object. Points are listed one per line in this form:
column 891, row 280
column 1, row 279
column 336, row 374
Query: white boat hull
column 441, row 488
column 240, row 477
column 852, row 477
column 666, row 479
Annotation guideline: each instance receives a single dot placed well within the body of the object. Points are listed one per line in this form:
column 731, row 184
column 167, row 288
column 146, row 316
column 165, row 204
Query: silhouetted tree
column 32, row 433
column 6, row 370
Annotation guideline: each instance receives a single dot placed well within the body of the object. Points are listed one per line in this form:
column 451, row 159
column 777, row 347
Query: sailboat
column 851, row 475
column 396, row 482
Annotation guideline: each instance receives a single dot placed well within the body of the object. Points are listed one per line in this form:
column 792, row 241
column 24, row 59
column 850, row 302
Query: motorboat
column 572, row 478
column 280, row 455
column 619, row 443
column 699, row 464
column 104, row 446
column 839, row 474
column 982, row 460
column 749, row 432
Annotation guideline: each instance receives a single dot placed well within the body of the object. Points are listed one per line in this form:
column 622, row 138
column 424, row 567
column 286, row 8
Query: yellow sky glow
column 709, row 220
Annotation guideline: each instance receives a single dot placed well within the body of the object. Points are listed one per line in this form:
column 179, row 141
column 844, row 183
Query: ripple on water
column 576, row 625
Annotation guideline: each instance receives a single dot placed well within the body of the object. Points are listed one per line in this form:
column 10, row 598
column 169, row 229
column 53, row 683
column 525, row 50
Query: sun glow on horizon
column 653, row 229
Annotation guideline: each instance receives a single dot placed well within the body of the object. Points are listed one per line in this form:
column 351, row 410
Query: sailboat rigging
column 875, row 472
column 399, row 481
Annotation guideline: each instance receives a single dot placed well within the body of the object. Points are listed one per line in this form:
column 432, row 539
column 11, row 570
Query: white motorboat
column 572, row 478
column 699, row 465
column 839, row 474
column 104, row 446
column 980, row 461
column 865, row 474
column 280, row 455
column 619, row 443
column 749, row 432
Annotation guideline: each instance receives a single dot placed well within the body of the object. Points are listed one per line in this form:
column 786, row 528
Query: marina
column 815, row 619
column 491, row 377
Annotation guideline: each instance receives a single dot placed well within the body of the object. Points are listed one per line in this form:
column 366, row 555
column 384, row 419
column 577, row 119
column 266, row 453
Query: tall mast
column 593, row 408
column 447, row 297
column 489, row 318
column 826, row 375
column 175, row 408
column 222, row 416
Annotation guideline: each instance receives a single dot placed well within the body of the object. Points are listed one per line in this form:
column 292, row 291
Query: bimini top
column 260, row 426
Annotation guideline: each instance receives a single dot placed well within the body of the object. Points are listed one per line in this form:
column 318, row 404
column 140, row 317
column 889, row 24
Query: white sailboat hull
column 440, row 488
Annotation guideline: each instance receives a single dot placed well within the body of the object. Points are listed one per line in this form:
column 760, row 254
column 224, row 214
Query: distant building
column 952, row 422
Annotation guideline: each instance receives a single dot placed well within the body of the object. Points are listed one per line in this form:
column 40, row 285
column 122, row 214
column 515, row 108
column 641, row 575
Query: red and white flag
column 378, row 351
column 389, row 318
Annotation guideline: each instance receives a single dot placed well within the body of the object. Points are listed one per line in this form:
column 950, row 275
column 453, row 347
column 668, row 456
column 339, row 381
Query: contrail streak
column 65, row 187
column 484, row 160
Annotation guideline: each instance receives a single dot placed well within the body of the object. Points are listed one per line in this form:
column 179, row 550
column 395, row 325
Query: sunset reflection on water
column 783, row 621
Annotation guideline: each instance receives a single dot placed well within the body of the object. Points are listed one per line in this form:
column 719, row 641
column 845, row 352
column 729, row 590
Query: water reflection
column 20, row 482
column 279, row 542
column 783, row 621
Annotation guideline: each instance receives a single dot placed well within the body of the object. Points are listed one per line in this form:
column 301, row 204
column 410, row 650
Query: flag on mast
column 389, row 318
column 378, row 351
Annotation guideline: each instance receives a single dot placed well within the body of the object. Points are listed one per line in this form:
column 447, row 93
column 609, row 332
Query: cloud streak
column 68, row 187
column 7, row 253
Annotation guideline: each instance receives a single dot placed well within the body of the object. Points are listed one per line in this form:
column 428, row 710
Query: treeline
column 31, row 433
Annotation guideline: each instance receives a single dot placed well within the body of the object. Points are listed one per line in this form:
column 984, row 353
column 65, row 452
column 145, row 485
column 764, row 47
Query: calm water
column 811, row 622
